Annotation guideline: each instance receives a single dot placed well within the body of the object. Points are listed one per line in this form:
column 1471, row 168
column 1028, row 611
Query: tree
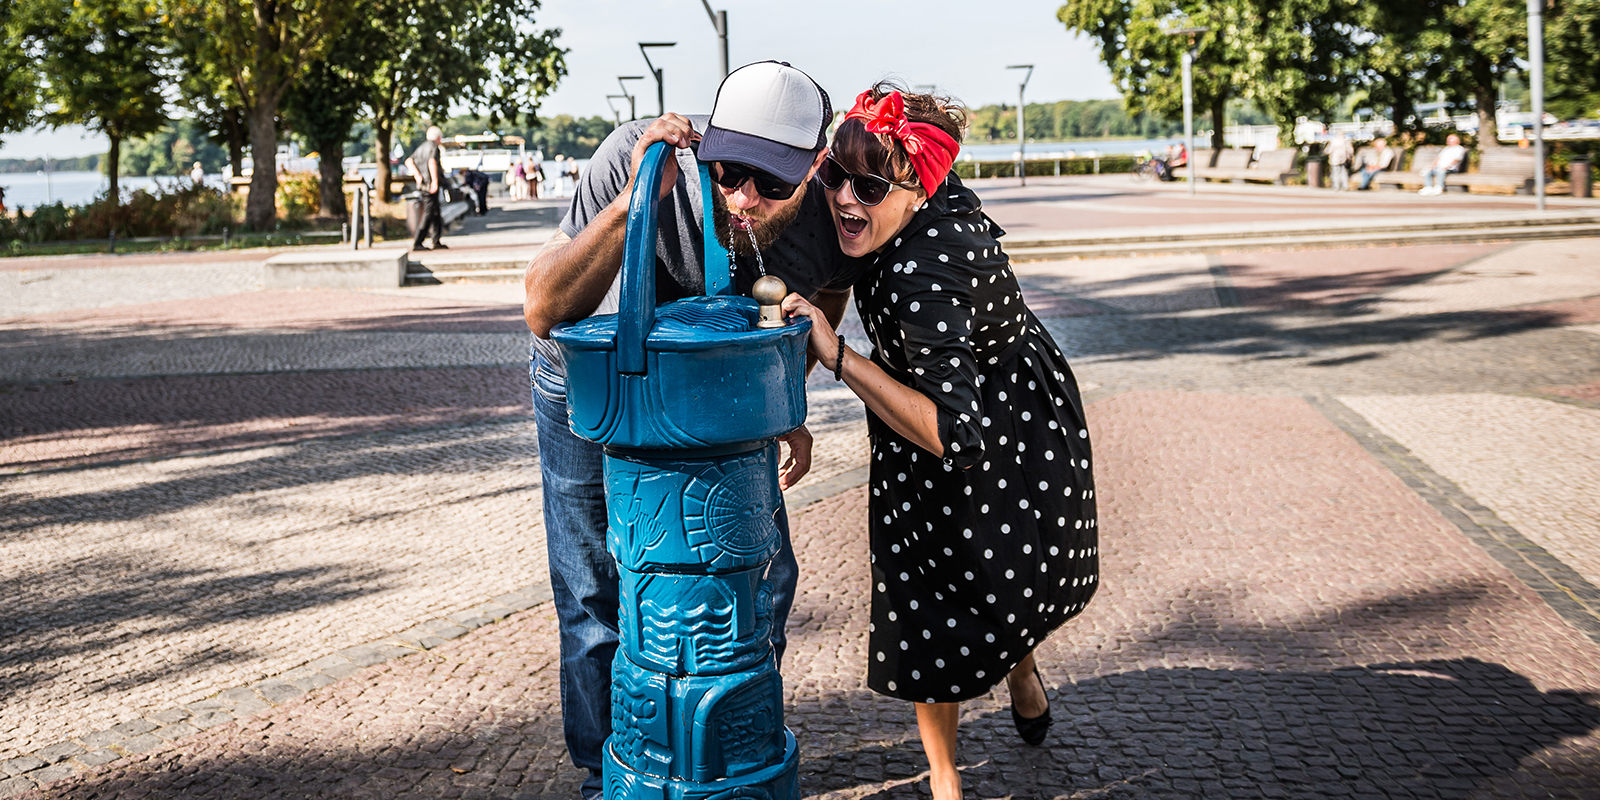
column 19, row 82
column 262, row 47
column 1572, row 42
column 471, row 53
column 207, row 93
column 1485, row 39
column 102, row 64
column 324, row 104
column 1146, row 61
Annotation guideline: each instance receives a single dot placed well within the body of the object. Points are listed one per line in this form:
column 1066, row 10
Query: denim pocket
column 552, row 387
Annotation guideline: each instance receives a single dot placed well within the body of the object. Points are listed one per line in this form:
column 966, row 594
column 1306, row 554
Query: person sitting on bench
column 1450, row 160
column 1379, row 159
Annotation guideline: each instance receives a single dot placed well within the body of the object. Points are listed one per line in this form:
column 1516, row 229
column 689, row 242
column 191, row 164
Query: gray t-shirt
column 806, row 256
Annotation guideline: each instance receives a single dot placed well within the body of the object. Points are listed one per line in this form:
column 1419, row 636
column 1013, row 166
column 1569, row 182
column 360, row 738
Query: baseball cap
column 770, row 116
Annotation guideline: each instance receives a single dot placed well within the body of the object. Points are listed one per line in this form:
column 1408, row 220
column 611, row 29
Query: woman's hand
column 823, row 343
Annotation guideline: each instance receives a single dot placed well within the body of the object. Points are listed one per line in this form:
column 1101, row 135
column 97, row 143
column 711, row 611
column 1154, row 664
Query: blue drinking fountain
column 687, row 399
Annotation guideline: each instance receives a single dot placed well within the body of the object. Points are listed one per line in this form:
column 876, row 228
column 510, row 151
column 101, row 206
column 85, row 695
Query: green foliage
column 19, row 80
column 179, row 210
column 1077, row 166
column 82, row 164
column 101, row 62
column 1067, row 119
column 1572, row 42
column 298, row 196
column 172, row 151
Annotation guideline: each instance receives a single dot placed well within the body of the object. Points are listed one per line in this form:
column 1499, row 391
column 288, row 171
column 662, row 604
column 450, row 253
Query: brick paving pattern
column 1372, row 656
column 289, row 544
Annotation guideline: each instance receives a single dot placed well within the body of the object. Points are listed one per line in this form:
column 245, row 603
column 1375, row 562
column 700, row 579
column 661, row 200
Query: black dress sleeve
column 931, row 298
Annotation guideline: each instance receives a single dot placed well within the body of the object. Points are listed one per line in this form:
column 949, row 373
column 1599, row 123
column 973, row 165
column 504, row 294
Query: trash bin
column 1316, row 171
column 1582, row 178
column 413, row 213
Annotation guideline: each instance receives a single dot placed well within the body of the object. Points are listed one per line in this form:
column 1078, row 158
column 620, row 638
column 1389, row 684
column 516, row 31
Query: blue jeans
column 583, row 575
column 1366, row 178
column 1434, row 177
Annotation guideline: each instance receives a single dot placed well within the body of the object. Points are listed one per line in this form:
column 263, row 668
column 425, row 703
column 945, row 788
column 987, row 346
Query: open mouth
column 740, row 223
column 850, row 225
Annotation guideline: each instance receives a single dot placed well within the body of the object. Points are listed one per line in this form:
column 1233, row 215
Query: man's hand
column 674, row 129
column 799, row 461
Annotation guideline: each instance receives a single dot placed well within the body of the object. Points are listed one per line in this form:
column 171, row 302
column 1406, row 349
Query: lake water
column 30, row 190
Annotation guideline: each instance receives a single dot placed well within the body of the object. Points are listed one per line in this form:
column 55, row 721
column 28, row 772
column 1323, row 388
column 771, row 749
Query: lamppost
column 719, row 20
column 661, row 91
column 1022, row 136
column 633, row 113
column 1188, row 98
column 1536, row 89
column 614, row 111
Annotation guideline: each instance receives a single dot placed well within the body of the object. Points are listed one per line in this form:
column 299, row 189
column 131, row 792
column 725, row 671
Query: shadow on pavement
column 464, row 449
column 44, row 426
column 44, row 632
column 1440, row 729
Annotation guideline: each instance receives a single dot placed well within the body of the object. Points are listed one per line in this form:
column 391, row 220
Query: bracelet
column 838, row 363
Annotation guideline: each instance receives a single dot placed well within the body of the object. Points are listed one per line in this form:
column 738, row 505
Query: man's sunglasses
column 729, row 175
column 869, row 189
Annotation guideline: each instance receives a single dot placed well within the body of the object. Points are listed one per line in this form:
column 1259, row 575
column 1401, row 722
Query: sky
column 961, row 48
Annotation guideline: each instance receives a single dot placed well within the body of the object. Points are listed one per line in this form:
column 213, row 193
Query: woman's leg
column 936, row 722
column 1027, row 694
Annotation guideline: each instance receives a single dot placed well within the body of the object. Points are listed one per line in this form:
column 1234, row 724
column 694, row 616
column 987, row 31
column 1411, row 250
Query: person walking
column 427, row 165
column 1339, row 154
column 762, row 143
column 533, row 172
column 981, row 517
column 197, row 174
column 1450, row 160
column 516, row 181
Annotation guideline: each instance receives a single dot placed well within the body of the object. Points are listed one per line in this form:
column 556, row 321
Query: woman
column 982, row 512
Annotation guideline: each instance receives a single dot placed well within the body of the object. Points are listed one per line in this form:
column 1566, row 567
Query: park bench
column 453, row 206
column 1273, row 166
column 1419, row 159
column 1231, row 164
column 1502, row 167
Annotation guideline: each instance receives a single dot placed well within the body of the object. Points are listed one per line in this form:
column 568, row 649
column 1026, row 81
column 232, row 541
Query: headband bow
column 931, row 150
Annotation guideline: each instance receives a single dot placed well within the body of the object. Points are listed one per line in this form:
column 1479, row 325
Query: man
column 427, row 165
column 1449, row 160
column 764, row 140
column 1379, row 159
column 479, row 184
column 1339, row 153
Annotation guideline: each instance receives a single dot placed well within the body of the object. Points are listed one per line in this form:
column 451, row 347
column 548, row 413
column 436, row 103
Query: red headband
column 930, row 149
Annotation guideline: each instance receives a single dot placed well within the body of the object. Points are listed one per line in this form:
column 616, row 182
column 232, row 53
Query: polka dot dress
column 979, row 552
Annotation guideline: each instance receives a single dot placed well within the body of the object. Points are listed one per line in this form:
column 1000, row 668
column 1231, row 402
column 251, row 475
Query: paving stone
column 277, row 691
column 140, row 743
column 58, row 751
column 98, row 757
column 208, row 719
column 99, row 739
column 54, row 772
column 17, row 766
column 176, row 731
column 14, row 786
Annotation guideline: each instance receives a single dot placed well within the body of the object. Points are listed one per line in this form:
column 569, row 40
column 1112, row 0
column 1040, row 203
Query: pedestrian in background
column 1340, row 152
column 479, row 184
column 428, row 167
column 559, row 188
column 516, row 181
column 198, row 174
column 571, row 173
column 533, row 172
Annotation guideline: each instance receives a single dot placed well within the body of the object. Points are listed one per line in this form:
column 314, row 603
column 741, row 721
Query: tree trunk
column 235, row 142
column 330, row 178
column 113, row 166
column 261, row 207
column 385, row 143
column 1403, row 108
column 1219, row 121
column 1488, row 130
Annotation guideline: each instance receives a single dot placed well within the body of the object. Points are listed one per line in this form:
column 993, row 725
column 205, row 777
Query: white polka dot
column 913, row 605
column 932, row 232
column 1083, row 434
column 916, row 675
column 893, row 616
column 970, row 256
column 951, row 623
column 968, row 532
column 1026, row 416
column 946, row 386
column 1010, row 575
column 988, row 554
column 988, row 637
column 892, row 687
column 880, row 655
column 942, row 326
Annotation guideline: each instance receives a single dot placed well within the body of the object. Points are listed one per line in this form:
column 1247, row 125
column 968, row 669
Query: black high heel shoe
column 1033, row 730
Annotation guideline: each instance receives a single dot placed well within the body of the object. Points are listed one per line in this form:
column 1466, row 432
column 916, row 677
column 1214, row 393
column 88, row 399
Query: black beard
column 766, row 230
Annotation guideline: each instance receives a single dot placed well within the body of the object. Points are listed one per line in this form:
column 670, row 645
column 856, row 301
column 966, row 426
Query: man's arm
column 569, row 277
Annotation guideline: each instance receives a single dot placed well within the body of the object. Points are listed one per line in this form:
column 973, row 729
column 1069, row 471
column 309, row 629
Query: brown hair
column 878, row 153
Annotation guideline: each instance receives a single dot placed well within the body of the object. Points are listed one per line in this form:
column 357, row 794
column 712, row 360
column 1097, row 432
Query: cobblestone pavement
column 288, row 544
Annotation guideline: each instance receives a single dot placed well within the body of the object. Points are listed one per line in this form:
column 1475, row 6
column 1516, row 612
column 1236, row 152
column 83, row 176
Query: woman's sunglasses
column 869, row 189
column 729, row 175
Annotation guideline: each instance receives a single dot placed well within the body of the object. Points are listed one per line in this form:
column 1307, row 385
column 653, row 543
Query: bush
column 299, row 196
column 1043, row 168
column 179, row 210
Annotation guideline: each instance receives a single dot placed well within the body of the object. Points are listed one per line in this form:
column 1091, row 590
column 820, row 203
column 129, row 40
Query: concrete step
column 1260, row 230
column 1032, row 252
column 495, row 266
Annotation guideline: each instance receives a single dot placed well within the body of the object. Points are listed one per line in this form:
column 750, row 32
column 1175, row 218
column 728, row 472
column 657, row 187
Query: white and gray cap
column 770, row 116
